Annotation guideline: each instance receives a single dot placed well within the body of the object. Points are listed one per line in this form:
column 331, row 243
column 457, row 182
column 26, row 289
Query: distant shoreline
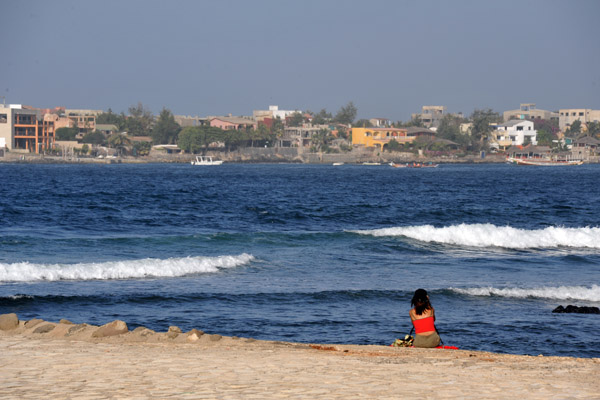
column 264, row 156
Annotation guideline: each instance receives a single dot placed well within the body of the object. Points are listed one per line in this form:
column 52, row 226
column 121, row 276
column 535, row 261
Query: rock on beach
column 9, row 322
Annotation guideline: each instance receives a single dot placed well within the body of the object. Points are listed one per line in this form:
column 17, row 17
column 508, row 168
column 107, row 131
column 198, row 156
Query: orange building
column 25, row 128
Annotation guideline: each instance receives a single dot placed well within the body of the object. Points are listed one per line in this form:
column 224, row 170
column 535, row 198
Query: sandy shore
column 39, row 359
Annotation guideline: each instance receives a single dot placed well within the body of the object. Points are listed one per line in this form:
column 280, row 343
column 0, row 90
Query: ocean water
column 308, row 253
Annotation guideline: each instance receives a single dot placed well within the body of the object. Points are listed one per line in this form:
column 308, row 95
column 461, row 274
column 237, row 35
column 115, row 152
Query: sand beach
column 41, row 359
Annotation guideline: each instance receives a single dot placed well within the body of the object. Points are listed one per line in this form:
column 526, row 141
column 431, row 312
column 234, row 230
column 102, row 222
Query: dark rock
column 9, row 322
column 76, row 328
column 66, row 322
column 576, row 310
column 44, row 328
column 215, row 338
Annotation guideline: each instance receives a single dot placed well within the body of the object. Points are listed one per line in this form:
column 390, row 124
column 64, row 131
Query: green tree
column 481, row 124
column 346, row 114
column 449, row 127
column 95, row 137
column 85, row 149
column 392, row 145
column 142, row 148
column 322, row 117
column 362, row 123
column 575, row 129
column 119, row 141
column 66, row 133
column 193, row 139
column 140, row 121
column 593, row 129
column 320, row 141
column 111, row 118
column 546, row 131
column 296, row 119
column 189, row 139
column 166, row 129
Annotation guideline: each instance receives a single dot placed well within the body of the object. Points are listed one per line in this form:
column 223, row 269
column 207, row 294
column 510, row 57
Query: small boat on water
column 206, row 160
column 422, row 165
column 371, row 163
column 544, row 162
column 338, row 163
column 393, row 164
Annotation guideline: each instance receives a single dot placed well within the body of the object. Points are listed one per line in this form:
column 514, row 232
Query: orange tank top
column 424, row 325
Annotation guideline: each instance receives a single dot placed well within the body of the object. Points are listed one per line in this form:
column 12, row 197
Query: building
column 84, row 120
column 431, row 116
column 513, row 133
column 273, row 113
column 300, row 136
column 227, row 123
column 584, row 148
column 529, row 111
column 380, row 122
column 25, row 129
column 185, row 120
column 569, row 115
column 378, row 137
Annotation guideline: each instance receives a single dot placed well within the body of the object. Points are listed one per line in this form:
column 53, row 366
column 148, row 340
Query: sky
column 389, row 58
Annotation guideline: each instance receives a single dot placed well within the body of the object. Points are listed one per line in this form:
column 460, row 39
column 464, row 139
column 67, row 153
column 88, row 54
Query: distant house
column 107, row 129
column 378, row 137
column 529, row 111
column 584, row 148
column 513, row 133
column 380, row 122
column 299, row 136
column 419, row 132
column 229, row 123
column 430, row 116
column 570, row 115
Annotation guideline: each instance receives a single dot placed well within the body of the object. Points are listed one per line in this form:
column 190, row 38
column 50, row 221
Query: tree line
column 163, row 129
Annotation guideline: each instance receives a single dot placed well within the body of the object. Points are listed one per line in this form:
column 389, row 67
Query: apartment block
column 530, row 112
column 25, row 129
column 431, row 116
column 569, row 115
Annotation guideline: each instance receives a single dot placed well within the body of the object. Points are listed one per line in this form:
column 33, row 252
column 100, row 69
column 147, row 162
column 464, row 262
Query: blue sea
column 308, row 253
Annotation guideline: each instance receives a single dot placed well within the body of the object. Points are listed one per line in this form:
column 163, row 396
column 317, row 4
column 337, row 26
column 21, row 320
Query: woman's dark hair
column 420, row 301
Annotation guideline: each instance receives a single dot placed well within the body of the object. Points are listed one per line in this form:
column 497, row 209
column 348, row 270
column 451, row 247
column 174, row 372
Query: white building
column 273, row 112
column 514, row 133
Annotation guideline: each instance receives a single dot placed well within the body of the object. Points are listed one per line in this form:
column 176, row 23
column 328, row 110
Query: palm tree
column 119, row 141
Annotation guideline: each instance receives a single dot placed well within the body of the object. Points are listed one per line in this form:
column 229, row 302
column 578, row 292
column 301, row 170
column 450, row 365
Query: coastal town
column 276, row 135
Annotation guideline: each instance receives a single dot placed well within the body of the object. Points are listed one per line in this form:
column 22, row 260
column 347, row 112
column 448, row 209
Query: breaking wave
column 581, row 293
column 486, row 235
column 131, row 269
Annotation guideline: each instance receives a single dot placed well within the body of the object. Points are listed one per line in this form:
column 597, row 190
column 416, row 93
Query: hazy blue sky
column 219, row 57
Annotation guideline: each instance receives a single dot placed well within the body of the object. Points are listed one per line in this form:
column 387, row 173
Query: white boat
column 371, row 163
column 206, row 160
column 338, row 163
column 542, row 162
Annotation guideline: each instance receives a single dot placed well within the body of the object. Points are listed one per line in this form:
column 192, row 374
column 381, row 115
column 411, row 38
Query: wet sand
column 64, row 360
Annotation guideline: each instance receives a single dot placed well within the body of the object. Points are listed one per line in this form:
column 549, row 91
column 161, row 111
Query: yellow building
column 378, row 137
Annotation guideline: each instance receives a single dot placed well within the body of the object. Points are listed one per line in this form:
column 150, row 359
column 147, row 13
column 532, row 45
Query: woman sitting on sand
column 423, row 318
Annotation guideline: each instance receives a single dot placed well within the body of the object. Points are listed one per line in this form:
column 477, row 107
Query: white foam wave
column 130, row 269
column 486, row 235
column 584, row 293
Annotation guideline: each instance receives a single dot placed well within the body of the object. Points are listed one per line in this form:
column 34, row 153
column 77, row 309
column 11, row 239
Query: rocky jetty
column 577, row 310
